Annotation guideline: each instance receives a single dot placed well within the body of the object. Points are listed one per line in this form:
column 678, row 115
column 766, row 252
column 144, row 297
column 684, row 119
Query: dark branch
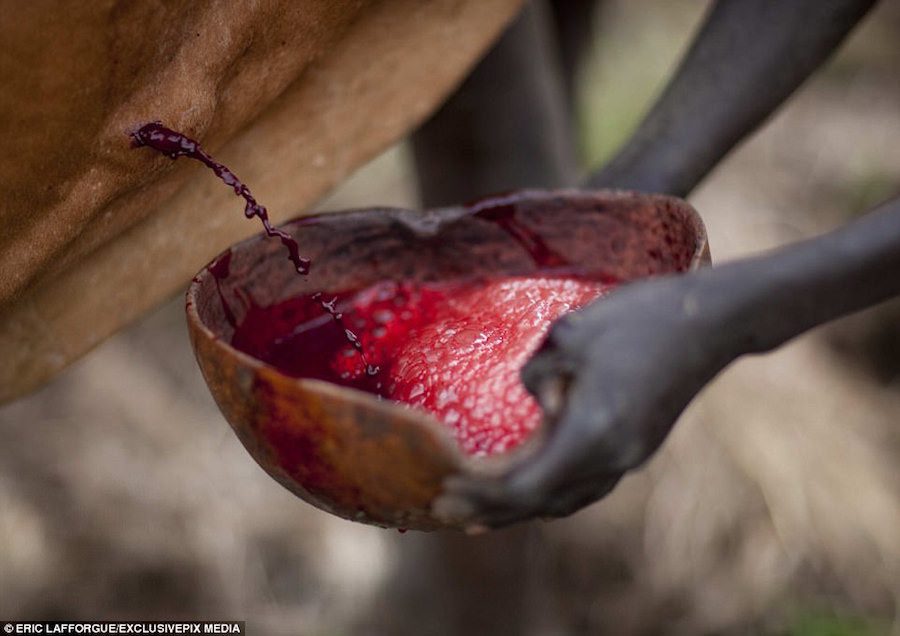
column 749, row 56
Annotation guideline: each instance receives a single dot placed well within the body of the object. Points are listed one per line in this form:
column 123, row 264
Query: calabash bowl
column 349, row 452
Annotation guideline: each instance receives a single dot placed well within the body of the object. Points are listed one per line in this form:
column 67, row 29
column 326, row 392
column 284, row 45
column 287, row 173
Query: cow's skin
column 292, row 94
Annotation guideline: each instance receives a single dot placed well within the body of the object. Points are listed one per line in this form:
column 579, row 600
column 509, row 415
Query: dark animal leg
column 506, row 127
column 575, row 26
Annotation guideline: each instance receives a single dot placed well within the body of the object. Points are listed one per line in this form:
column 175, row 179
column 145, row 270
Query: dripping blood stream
column 500, row 211
column 174, row 144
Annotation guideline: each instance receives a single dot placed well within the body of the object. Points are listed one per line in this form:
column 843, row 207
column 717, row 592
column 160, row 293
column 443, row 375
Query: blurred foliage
column 635, row 53
column 827, row 624
column 864, row 190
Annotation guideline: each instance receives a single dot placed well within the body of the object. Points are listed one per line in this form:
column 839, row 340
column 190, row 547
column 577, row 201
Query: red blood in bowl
column 454, row 349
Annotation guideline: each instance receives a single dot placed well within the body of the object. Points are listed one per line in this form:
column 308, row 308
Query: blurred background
column 774, row 507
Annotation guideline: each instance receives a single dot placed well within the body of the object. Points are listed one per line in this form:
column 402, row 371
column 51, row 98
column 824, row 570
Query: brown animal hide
column 292, row 94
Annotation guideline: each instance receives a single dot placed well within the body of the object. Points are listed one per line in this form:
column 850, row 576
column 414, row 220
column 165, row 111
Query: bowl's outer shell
column 348, row 452
column 336, row 451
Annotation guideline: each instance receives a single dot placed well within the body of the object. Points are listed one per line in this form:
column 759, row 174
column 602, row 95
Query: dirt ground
column 773, row 507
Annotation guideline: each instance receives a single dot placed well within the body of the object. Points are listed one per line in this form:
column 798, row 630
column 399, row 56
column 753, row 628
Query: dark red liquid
column 174, row 144
column 502, row 212
column 453, row 349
